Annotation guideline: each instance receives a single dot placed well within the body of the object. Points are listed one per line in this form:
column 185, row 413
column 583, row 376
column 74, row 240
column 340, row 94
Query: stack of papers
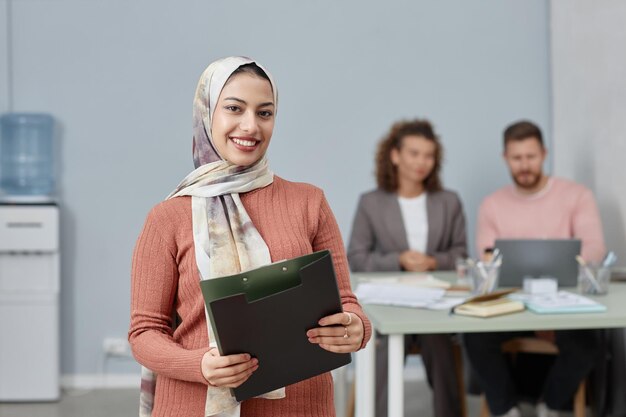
column 403, row 295
column 560, row 302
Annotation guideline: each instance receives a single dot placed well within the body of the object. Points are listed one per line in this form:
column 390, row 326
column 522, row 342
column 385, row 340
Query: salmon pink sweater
column 294, row 219
column 563, row 209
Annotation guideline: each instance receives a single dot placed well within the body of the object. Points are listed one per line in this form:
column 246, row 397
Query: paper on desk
column 404, row 296
column 414, row 280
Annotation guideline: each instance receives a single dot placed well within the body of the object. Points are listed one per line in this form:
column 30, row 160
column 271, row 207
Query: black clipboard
column 267, row 311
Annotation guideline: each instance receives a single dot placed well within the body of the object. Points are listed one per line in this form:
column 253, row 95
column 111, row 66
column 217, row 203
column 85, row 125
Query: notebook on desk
column 492, row 304
column 537, row 258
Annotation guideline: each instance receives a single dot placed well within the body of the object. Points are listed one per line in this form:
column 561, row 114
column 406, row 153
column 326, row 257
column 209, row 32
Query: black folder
column 267, row 311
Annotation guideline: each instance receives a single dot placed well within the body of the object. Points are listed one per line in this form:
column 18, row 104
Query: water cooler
column 29, row 261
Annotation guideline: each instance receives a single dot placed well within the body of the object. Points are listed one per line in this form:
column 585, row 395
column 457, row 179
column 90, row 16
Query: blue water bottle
column 26, row 156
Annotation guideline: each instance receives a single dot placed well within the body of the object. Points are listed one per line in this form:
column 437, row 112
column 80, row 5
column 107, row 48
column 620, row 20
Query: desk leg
column 396, row 375
column 364, row 377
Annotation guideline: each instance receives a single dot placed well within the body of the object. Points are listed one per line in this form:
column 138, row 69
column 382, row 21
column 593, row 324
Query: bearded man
column 538, row 206
column 535, row 206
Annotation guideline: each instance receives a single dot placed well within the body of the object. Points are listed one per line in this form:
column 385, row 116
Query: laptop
column 554, row 258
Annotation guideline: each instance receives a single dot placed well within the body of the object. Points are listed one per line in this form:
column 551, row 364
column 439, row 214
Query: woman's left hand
column 340, row 333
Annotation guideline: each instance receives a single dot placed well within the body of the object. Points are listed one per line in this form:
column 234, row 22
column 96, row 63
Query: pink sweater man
column 536, row 206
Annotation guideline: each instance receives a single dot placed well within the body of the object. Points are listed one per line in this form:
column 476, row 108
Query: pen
column 609, row 259
column 588, row 273
column 484, row 285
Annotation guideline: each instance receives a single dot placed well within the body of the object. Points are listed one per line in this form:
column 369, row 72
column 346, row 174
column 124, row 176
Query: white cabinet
column 29, row 302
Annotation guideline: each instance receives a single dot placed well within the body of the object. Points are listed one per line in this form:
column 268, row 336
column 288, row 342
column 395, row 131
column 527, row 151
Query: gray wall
column 4, row 55
column 589, row 88
column 119, row 77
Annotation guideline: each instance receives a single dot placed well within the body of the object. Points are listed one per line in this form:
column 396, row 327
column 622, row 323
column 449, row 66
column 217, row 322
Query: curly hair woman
column 411, row 223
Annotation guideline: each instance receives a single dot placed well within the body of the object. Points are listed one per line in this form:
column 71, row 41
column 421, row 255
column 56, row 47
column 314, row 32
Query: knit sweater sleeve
column 154, row 282
column 328, row 236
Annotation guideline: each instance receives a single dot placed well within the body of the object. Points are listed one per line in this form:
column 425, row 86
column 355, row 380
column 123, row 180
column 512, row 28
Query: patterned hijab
column 225, row 239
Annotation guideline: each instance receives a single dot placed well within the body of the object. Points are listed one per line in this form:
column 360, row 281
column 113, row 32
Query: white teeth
column 244, row 142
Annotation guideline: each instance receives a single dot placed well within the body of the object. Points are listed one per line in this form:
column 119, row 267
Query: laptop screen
column 555, row 258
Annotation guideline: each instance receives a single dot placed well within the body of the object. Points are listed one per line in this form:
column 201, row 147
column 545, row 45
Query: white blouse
column 415, row 220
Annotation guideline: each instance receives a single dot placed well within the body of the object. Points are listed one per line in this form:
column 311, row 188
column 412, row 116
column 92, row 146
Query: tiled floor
column 123, row 402
column 93, row 403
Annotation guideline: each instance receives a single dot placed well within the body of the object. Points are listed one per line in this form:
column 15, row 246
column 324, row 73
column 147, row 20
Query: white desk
column 398, row 321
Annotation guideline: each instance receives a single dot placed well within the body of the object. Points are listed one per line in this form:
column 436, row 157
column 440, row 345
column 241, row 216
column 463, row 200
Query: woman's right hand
column 227, row 371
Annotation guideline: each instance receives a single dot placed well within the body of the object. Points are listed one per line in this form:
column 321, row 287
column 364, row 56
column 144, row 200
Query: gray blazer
column 378, row 235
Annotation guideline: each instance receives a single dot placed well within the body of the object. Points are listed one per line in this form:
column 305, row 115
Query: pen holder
column 462, row 272
column 461, row 266
column 484, row 277
column 594, row 279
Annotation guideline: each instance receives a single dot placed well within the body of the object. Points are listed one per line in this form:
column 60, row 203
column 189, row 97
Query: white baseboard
column 101, row 381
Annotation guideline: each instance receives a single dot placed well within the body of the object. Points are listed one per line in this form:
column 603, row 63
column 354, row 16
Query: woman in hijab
column 230, row 214
column 411, row 223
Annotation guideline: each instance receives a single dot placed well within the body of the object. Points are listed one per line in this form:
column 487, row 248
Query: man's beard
column 535, row 179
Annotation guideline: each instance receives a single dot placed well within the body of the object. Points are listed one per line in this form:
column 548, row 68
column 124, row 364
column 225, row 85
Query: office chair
column 537, row 345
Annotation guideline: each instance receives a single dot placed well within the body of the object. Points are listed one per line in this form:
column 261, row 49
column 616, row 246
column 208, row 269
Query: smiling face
column 243, row 120
column 525, row 160
column 415, row 159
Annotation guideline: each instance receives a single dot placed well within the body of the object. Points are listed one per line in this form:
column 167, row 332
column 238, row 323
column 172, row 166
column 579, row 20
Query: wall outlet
column 115, row 346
